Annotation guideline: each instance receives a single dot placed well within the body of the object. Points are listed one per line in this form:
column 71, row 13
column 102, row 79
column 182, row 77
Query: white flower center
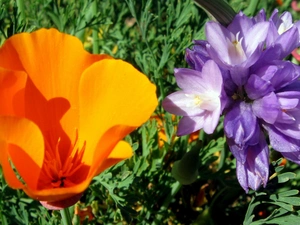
column 236, row 51
column 207, row 101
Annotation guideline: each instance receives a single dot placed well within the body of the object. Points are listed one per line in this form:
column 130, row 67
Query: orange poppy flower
column 64, row 113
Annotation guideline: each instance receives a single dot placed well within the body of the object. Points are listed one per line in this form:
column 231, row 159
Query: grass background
column 153, row 36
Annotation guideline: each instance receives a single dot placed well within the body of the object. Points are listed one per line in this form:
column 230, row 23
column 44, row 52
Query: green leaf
column 219, row 9
column 289, row 200
column 249, row 217
column 288, row 207
column 279, row 168
column 282, row 178
column 284, row 220
column 288, row 193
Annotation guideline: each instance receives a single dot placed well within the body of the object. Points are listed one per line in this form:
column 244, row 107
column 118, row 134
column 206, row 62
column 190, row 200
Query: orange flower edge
column 65, row 113
column 61, row 204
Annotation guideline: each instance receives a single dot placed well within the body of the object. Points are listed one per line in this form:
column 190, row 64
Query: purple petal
column 240, row 123
column 240, row 24
column 279, row 73
column 207, row 121
column 198, row 55
column 288, row 121
column 297, row 24
column 270, row 54
column 261, row 16
column 267, row 108
column 188, row 125
column 287, row 74
column 289, row 99
column 289, row 130
column 255, row 171
column 255, row 36
column 211, row 121
column 272, row 35
column 229, row 86
column 239, row 75
column 292, row 156
column 267, row 72
column 217, row 37
column 281, row 142
column 238, row 151
column 256, row 87
column 209, row 81
column 286, row 17
column 212, row 76
column 275, row 18
column 285, row 118
column 188, row 79
column 182, row 103
column 293, row 86
column 288, row 41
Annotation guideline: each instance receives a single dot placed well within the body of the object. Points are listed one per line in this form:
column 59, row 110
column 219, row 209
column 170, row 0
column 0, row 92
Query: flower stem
column 21, row 10
column 95, row 31
column 66, row 217
column 251, row 8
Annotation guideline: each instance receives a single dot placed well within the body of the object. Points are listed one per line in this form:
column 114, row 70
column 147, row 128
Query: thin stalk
column 144, row 142
column 21, row 10
column 95, row 32
column 251, row 8
column 66, row 217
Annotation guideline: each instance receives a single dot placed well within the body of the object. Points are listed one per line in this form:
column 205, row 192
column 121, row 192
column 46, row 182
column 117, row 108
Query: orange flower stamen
column 57, row 173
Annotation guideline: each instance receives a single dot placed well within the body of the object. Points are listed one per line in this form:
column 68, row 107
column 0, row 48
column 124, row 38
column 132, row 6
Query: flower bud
column 186, row 170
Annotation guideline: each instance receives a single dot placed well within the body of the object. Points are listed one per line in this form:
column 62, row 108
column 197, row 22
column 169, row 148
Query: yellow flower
column 64, row 113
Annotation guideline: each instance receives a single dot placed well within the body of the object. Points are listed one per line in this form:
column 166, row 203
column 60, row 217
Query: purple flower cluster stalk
column 239, row 72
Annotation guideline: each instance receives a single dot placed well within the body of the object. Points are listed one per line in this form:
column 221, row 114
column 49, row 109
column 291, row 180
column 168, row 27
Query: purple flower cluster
column 239, row 72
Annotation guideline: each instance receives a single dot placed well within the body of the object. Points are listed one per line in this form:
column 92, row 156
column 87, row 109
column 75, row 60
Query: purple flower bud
column 255, row 170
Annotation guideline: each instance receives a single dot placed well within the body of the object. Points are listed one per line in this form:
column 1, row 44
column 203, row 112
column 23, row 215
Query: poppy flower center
column 58, row 173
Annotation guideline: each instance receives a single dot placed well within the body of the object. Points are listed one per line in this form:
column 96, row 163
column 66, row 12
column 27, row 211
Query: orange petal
column 58, row 194
column 121, row 152
column 12, row 84
column 9, row 174
column 112, row 94
column 64, row 197
column 54, row 63
column 58, row 205
column 22, row 143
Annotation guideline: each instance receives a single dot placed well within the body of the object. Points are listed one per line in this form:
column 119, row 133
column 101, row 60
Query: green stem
column 175, row 188
column 21, row 10
column 251, row 8
column 145, row 151
column 95, row 31
column 66, row 217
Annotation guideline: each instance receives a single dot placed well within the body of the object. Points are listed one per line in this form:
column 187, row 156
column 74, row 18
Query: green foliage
column 153, row 36
column 282, row 203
